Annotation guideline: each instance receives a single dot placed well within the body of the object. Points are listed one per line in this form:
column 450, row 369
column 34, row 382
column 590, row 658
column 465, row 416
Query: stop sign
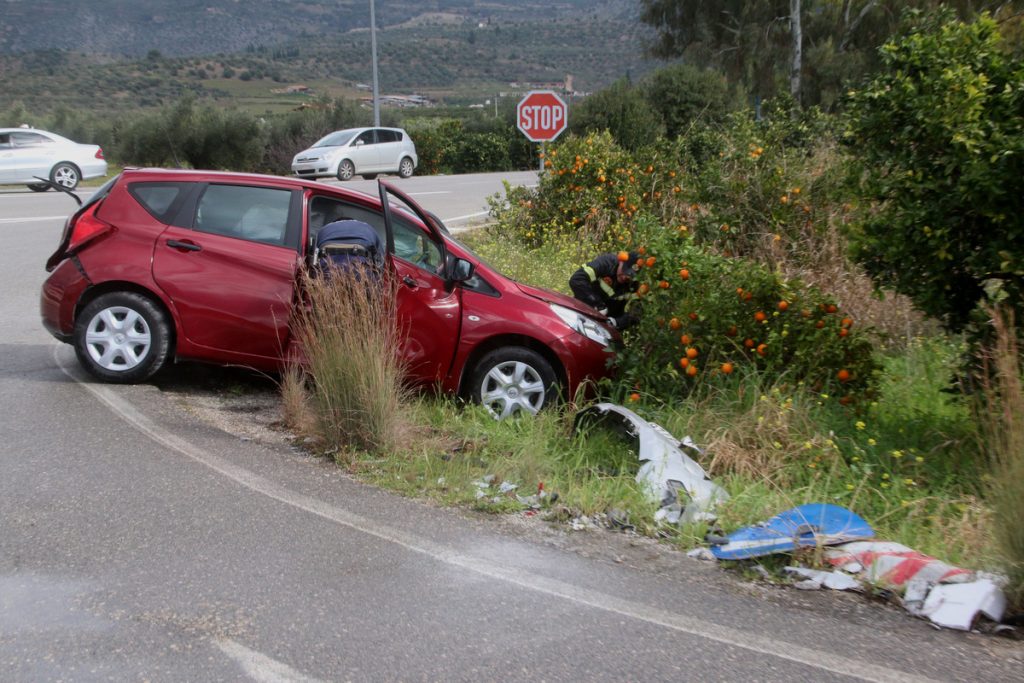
column 542, row 115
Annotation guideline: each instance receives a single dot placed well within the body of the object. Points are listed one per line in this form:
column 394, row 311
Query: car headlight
column 588, row 327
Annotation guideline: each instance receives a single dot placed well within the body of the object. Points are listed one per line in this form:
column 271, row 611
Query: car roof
column 190, row 175
column 31, row 130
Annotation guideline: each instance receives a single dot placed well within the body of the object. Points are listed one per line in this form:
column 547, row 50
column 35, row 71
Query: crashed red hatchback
column 163, row 264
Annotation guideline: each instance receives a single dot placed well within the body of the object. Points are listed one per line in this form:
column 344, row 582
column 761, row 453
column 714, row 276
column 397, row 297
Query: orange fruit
column 846, row 322
column 748, row 296
column 760, row 316
column 634, row 397
column 691, row 353
column 843, row 332
column 641, row 250
column 831, row 308
column 731, row 332
column 650, row 261
column 684, row 362
column 762, row 349
column 643, row 289
column 739, row 290
column 783, row 305
column 685, row 274
column 820, row 324
column 674, row 323
column 685, row 340
column 623, row 255
column 663, row 284
column 843, row 375
column 726, row 368
column 749, row 343
column 694, row 316
column 805, row 313
column 692, row 370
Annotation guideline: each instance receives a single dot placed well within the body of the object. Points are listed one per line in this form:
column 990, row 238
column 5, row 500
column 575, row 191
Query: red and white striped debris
column 893, row 565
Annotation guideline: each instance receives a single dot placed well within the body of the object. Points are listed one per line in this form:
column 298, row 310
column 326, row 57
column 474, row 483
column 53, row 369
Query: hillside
column 440, row 54
column 200, row 27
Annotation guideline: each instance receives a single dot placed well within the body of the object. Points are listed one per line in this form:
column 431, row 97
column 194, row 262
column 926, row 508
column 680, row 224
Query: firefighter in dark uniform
column 607, row 284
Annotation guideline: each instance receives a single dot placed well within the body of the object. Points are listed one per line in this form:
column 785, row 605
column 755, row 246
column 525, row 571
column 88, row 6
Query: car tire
column 513, row 379
column 369, row 176
column 405, row 168
column 39, row 187
column 66, row 175
column 346, row 171
column 122, row 337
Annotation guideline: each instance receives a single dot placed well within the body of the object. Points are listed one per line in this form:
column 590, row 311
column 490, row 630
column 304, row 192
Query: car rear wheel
column 122, row 337
column 39, row 187
column 512, row 380
column 346, row 170
column 405, row 167
column 66, row 175
column 369, row 176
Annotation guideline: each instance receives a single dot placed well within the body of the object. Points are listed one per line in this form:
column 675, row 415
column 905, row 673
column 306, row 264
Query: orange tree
column 711, row 318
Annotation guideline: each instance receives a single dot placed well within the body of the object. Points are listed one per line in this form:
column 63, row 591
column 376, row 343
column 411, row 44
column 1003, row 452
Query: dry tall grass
column 352, row 367
column 1003, row 419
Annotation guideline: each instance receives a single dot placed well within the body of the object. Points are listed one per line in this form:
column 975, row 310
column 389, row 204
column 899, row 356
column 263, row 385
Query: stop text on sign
column 542, row 115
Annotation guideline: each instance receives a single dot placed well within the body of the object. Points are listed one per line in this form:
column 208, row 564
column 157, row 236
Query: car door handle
column 409, row 282
column 186, row 246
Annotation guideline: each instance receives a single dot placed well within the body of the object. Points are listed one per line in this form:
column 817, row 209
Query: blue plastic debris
column 806, row 526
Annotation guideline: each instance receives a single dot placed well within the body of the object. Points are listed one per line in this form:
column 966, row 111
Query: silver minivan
column 358, row 151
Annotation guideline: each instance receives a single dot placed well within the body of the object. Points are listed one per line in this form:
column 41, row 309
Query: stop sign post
column 542, row 116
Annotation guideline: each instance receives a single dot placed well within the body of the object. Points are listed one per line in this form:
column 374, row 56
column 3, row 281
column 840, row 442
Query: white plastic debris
column 701, row 554
column 958, row 605
column 949, row 596
column 670, row 476
column 835, row 580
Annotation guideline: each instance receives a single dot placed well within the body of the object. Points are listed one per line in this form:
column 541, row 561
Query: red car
column 164, row 264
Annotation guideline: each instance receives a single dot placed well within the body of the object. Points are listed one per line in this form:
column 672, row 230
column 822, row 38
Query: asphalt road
column 138, row 544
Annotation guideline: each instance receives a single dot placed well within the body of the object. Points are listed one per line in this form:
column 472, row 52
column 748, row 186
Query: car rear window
column 159, row 199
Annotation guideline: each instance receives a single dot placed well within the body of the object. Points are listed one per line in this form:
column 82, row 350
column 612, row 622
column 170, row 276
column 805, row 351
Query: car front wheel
column 122, row 337
column 513, row 380
column 66, row 175
column 346, row 170
column 405, row 167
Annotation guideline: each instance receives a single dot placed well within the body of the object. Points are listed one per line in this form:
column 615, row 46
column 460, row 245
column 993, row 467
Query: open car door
column 429, row 305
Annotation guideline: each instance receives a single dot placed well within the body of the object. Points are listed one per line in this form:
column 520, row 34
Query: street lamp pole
column 373, row 50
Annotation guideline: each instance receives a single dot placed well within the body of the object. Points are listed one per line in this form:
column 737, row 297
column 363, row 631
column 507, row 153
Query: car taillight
column 87, row 228
column 99, row 153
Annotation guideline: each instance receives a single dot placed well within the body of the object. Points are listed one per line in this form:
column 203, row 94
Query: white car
column 358, row 151
column 27, row 154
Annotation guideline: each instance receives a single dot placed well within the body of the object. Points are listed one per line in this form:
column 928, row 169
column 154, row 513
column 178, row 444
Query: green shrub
column 706, row 317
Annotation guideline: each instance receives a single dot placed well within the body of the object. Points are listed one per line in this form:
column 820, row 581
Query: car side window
column 161, row 200
column 259, row 214
column 387, row 136
column 30, row 139
column 413, row 245
column 5, row 141
column 366, row 138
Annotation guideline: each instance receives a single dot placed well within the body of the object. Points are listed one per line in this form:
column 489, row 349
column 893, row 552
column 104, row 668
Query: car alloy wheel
column 65, row 175
column 514, row 380
column 346, row 170
column 405, row 167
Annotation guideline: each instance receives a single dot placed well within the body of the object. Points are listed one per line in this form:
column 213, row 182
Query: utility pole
column 373, row 50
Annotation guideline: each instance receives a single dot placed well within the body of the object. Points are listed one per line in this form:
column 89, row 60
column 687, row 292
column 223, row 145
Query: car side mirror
column 461, row 270
column 359, row 143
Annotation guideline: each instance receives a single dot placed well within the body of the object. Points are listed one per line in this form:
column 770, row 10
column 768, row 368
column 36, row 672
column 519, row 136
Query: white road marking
column 260, row 667
column 462, row 218
column 33, row 219
column 818, row 659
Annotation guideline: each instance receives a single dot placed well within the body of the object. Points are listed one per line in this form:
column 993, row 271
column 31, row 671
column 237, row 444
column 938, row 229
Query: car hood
column 560, row 299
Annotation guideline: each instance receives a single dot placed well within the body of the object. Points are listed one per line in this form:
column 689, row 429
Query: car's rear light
column 85, row 229
column 99, row 153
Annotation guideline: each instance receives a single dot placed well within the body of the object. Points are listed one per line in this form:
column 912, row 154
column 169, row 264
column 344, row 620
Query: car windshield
column 335, row 139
